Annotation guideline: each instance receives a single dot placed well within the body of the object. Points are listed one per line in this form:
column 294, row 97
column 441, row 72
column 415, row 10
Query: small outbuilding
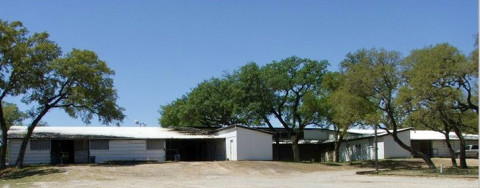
column 54, row 145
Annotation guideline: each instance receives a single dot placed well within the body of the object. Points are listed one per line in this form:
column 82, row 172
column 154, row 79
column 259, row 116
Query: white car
column 470, row 151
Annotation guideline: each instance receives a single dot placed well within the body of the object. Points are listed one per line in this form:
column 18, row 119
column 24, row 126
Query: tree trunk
column 463, row 161
column 376, row 148
column 276, row 156
column 338, row 143
column 295, row 148
column 426, row 158
column 23, row 147
column 450, row 149
column 393, row 120
column 3, row 149
column 4, row 128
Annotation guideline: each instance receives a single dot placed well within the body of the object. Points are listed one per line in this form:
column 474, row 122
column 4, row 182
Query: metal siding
column 440, row 148
column 253, row 145
column 394, row 150
column 230, row 143
column 128, row 150
column 31, row 157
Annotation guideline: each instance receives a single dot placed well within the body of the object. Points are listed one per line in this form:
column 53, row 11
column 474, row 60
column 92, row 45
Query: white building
column 361, row 146
column 433, row 143
column 103, row 144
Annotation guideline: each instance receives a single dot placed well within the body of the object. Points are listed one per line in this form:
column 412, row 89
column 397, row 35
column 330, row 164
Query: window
column 80, row 145
column 358, row 147
column 39, row 144
column 99, row 145
column 154, row 144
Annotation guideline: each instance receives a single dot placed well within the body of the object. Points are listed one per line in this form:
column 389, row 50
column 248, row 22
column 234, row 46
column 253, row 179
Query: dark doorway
column 62, row 152
column 81, row 151
column 195, row 150
column 425, row 146
column 308, row 152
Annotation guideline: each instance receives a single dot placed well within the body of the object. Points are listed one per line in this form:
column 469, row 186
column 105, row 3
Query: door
column 231, row 149
column 81, row 151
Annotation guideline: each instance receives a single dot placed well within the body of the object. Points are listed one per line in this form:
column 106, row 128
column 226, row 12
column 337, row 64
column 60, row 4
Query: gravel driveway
column 228, row 174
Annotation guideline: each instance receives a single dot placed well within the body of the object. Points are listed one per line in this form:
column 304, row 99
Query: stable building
column 54, row 145
column 360, row 145
column 433, row 143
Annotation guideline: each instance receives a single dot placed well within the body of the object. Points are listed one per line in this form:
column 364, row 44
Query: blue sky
column 162, row 49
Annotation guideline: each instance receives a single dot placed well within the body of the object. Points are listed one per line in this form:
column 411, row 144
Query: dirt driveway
column 222, row 174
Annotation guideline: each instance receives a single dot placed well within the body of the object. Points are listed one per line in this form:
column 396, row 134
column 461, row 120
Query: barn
column 54, row 145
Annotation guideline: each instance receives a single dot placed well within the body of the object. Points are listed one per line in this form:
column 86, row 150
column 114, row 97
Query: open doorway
column 62, row 152
column 195, row 150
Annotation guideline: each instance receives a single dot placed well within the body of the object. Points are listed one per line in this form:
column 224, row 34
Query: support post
column 376, row 149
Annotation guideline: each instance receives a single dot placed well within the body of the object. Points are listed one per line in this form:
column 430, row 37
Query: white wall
column 381, row 148
column 31, row 157
column 128, row 150
column 360, row 149
column 246, row 144
column 392, row 149
column 440, row 148
column 253, row 145
column 231, row 143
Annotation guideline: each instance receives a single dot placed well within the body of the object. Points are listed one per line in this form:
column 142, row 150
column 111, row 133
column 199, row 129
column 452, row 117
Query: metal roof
column 434, row 135
column 107, row 133
column 363, row 133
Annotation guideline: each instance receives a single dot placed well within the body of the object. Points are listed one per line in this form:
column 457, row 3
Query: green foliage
column 289, row 90
column 293, row 81
column 13, row 115
column 441, row 88
column 373, row 75
column 442, row 92
column 175, row 115
column 79, row 82
column 252, row 95
column 23, row 59
column 209, row 104
column 83, row 87
column 31, row 67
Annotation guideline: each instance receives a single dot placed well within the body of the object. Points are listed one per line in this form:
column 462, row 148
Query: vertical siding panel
column 31, row 157
column 120, row 150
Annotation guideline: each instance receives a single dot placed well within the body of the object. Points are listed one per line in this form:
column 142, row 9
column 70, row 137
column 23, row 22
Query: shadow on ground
column 124, row 163
column 389, row 164
column 15, row 173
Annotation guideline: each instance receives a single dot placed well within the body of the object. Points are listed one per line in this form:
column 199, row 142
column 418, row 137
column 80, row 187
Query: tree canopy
column 32, row 67
column 289, row 91
column 440, row 91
